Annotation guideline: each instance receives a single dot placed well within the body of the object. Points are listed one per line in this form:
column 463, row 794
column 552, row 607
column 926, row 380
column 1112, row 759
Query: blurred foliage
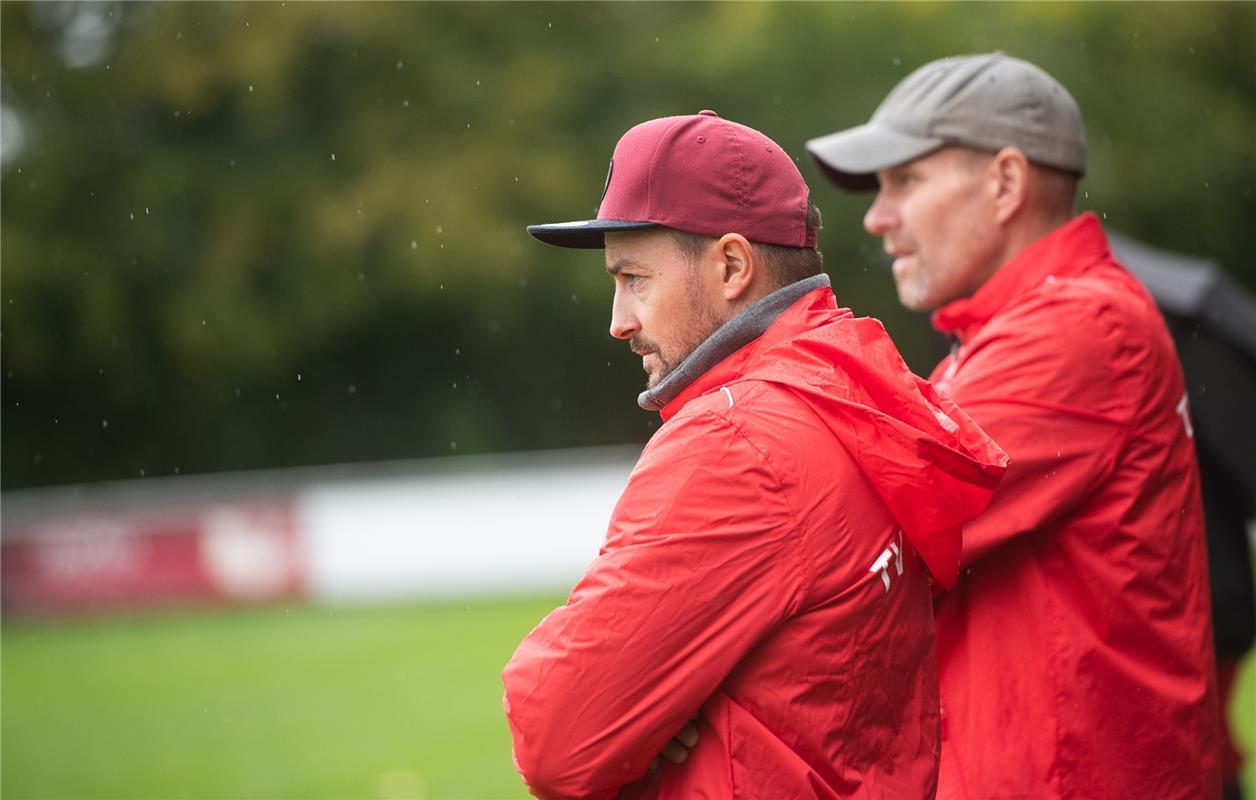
column 264, row 234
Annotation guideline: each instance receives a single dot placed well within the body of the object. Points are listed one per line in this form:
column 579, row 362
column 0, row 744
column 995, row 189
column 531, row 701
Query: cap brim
column 585, row 234
column 851, row 158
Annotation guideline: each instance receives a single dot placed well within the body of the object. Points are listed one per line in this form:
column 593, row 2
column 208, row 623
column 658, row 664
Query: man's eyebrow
column 620, row 264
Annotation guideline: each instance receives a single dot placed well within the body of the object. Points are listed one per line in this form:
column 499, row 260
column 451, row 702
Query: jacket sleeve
column 1058, row 399
column 698, row 566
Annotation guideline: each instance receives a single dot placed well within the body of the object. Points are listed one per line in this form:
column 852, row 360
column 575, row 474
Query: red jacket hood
column 930, row 463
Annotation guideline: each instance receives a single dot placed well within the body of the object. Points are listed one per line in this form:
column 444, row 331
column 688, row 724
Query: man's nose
column 881, row 217
column 623, row 322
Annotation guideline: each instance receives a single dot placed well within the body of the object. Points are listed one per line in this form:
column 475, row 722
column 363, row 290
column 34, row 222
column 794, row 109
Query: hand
column 677, row 750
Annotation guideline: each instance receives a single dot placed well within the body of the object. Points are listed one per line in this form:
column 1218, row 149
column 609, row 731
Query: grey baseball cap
column 986, row 102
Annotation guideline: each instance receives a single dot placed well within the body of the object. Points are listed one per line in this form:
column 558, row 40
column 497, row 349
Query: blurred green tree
column 267, row 234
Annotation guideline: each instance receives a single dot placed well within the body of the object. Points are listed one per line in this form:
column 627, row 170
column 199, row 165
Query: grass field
column 282, row 704
column 300, row 703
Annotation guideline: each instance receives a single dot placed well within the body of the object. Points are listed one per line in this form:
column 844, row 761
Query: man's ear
column 1010, row 174
column 739, row 269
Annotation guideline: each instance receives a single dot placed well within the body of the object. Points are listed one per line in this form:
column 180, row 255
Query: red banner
column 215, row 554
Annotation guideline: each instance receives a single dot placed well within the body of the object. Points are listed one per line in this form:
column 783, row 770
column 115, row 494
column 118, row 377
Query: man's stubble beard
column 707, row 321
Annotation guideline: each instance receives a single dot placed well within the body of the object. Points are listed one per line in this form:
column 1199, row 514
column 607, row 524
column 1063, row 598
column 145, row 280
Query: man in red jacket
column 765, row 569
column 1075, row 652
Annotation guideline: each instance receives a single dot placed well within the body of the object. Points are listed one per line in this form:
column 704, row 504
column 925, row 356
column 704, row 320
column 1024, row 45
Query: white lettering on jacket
column 1184, row 411
column 882, row 564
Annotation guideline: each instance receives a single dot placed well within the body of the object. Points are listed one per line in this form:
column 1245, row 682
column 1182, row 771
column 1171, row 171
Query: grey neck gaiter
column 728, row 339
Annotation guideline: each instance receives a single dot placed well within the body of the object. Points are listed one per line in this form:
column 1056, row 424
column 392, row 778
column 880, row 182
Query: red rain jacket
column 756, row 570
column 1075, row 653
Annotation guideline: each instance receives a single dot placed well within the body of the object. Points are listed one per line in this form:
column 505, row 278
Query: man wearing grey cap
column 1075, row 652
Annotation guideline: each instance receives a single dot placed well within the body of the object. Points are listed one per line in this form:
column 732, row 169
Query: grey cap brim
column 851, row 158
column 585, row 234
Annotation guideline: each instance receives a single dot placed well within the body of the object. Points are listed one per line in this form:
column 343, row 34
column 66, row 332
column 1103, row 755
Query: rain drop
column 414, row 244
column 333, row 156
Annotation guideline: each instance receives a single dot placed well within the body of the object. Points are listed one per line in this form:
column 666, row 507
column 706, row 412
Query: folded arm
column 696, row 570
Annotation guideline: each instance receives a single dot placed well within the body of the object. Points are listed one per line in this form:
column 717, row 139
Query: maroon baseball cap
column 700, row 174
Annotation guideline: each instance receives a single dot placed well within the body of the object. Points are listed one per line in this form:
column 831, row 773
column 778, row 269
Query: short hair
column 785, row 265
column 1057, row 187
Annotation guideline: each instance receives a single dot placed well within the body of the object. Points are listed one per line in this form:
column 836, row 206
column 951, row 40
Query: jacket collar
column 1065, row 251
column 696, row 373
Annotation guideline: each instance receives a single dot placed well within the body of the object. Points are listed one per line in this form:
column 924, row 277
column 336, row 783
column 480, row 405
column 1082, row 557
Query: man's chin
column 653, row 377
column 913, row 298
column 653, row 368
